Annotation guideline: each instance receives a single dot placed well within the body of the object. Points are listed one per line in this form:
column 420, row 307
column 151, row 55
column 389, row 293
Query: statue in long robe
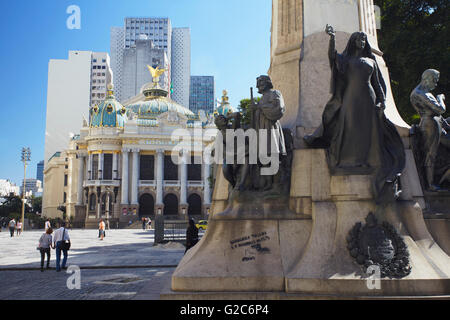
column 358, row 136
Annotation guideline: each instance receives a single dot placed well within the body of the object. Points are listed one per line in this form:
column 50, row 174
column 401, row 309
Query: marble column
column 80, row 180
column 114, row 167
column 135, row 177
column 206, row 187
column 159, row 176
column 100, row 166
column 124, row 177
column 90, row 167
column 183, row 178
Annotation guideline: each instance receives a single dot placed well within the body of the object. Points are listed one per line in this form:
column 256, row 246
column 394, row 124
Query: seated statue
column 434, row 130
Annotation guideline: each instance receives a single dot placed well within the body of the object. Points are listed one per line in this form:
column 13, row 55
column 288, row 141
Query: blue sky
column 230, row 40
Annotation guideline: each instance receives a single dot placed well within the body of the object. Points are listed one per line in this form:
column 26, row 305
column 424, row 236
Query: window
column 65, row 181
column 94, row 167
column 147, row 167
column 92, row 202
column 107, row 166
column 170, row 169
column 103, row 60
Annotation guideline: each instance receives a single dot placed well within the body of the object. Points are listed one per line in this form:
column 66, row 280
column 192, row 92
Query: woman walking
column 45, row 243
column 18, row 227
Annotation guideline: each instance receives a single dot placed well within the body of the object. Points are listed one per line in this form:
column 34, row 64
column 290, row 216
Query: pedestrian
column 101, row 229
column 149, row 224
column 45, row 243
column 61, row 242
column 143, row 223
column 47, row 224
column 18, row 227
column 191, row 235
column 12, row 226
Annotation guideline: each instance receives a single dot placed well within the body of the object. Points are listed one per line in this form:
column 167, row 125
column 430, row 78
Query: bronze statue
column 358, row 136
column 434, row 129
column 265, row 116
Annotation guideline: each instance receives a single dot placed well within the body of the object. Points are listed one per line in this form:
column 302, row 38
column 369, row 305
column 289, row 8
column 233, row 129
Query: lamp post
column 26, row 156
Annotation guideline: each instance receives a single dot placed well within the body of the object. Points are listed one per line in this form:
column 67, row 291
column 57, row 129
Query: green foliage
column 243, row 108
column 36, row 204
column 414, row 36
column 12, row 204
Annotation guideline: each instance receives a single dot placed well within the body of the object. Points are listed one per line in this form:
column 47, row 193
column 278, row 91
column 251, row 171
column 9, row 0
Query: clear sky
column 230, row 40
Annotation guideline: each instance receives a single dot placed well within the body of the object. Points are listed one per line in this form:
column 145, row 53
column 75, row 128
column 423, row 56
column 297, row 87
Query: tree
column 12, row 204
column 36, row 204
column 243, row 108
column 414, row 36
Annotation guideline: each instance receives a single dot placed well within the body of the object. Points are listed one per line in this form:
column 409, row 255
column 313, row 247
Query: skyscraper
column 160, row 32
column 40, row 171
column 202, row 94
column 73, row 86
column 181, row 65
column 135, row 61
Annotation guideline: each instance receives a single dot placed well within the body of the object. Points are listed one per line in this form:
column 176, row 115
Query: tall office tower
column 159, row 30
column 101, row 77
column 202, row 94
column 71, row 90
column 40, row 171
column 181, row 65
column 117, row 46
column 135, row 72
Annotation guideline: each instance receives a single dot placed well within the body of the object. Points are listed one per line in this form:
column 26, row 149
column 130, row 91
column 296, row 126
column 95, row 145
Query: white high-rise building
column 135, row 72
column 73, row 86
column 181, row 65
column 160, row 31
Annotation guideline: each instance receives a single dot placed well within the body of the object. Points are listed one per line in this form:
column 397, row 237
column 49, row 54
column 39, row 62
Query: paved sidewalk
column 120, row 248
column 125, row 265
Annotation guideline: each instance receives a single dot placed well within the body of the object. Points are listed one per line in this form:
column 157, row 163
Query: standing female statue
column 359, row 138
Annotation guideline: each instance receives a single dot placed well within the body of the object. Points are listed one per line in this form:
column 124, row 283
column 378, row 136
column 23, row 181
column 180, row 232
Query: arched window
column 170, row 204
column 146, row 205
column 195, row 205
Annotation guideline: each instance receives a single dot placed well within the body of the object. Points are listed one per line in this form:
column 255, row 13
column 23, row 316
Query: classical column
column 90, row 167
column 80, row 180
column 206, row 187
column 159, row 176
column 124, row 177
column 135, row 177
column 100, row 166
column 114, row 166
column 183, row 187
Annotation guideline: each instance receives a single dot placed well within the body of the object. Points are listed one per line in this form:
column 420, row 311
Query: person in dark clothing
column 191, row 235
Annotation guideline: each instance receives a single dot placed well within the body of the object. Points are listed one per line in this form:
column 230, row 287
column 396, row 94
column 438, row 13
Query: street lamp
column 25, row 157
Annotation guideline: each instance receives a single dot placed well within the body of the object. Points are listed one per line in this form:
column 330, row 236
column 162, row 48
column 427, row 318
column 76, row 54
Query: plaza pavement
column 125, row 265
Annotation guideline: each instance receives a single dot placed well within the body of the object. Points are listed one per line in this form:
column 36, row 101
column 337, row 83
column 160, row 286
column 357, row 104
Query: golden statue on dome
column 156, row 73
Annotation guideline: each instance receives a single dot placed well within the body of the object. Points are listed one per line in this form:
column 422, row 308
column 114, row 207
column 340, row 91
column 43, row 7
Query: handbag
column 65, row 245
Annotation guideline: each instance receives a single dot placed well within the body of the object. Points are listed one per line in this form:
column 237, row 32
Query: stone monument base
column 304, row 254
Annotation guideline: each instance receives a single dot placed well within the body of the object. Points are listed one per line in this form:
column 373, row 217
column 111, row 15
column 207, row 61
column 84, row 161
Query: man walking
column 59, row 242
column 12, row 226
column 47, row 224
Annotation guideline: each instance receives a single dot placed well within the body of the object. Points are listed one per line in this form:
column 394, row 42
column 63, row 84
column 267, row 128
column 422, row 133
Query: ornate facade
column 121, row 166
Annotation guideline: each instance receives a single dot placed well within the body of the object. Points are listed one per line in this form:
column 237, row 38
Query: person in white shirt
column 60, row 235
column 12, row 227
column 47, row 224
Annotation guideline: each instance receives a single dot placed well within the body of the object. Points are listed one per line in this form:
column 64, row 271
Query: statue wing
column 152, row 71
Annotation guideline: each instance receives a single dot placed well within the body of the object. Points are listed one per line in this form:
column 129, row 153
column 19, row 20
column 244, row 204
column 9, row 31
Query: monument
column 310, row 240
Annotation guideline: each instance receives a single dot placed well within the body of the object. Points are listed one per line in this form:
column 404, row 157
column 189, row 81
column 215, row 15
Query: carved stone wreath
column 374, row 244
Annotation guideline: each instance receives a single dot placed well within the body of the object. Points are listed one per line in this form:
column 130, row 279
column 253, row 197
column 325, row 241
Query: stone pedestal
column 304, row 251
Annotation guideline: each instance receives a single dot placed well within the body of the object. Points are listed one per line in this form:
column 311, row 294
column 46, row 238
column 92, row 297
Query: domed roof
column 225, row 107
column 156, row 102
column 109, row 113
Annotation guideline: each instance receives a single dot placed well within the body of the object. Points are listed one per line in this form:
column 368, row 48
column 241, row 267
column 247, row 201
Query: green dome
column 109, row 113
column 155, row 103
column 225, row 107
